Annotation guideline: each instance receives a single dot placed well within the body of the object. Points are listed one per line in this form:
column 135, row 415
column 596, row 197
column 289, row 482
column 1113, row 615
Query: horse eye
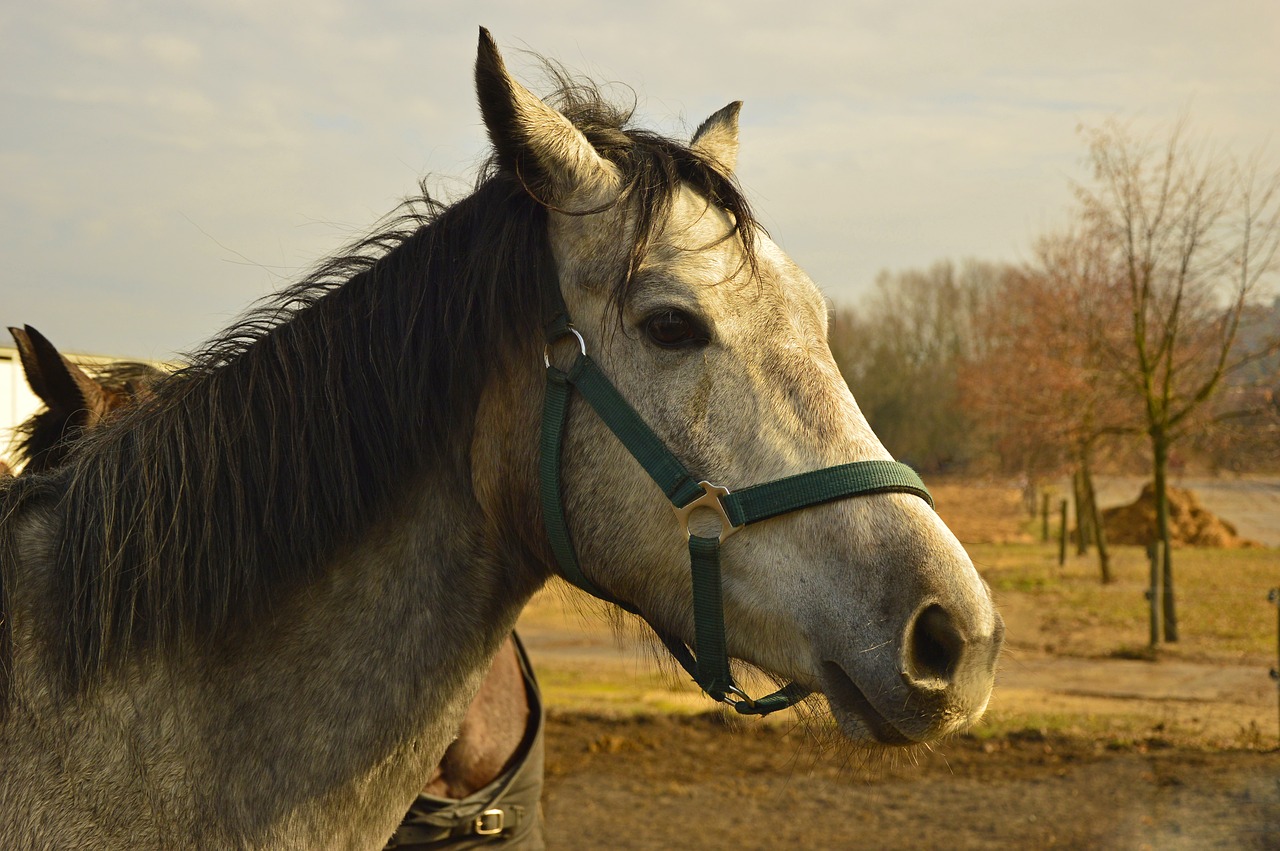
column 673, row 329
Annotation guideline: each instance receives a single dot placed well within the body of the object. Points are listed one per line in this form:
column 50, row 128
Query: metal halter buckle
column 546, row 350
column 710, row 499
column 746, row 699
column 490, row 823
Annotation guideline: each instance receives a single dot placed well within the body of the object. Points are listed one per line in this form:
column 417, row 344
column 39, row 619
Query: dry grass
column 1221, row 599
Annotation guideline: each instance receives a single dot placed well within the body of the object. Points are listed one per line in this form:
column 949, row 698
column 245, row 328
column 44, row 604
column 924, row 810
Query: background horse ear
column 554, row 161
column 716, row 139
column 30, row 361
column 59, row 383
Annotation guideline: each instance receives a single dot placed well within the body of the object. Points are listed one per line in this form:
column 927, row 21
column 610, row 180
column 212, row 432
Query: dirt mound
column 1190, row 523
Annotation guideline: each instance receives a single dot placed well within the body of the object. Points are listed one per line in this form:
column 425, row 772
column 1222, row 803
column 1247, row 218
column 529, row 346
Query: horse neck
column 359, row 687
column 389, row 650
column 336, row 697
column 429, row 599
column 315, row 726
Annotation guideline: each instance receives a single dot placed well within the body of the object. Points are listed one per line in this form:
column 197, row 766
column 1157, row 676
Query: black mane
column 292, row 431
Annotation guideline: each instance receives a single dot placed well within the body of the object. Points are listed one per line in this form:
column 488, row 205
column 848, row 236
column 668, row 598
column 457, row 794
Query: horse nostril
column 935, row 645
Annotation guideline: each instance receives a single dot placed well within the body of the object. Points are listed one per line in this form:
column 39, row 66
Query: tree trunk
column 1082, row 514
column 1095, row 519
column 1160, row 451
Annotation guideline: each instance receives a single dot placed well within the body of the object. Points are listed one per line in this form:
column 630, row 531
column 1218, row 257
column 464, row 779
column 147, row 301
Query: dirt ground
column 675, row 782
column 1191, row 762
column 665, row 780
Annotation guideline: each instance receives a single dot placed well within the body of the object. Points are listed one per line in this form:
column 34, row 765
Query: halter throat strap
column 710, row 666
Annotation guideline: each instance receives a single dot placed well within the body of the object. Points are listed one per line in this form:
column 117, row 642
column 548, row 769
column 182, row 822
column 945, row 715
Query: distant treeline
column 981, row 368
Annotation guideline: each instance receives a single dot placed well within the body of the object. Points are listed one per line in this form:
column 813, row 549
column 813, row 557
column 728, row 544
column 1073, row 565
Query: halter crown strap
column 710, row 667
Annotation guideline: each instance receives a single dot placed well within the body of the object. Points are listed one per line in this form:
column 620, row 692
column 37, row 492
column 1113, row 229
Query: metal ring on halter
column 724, row 698
column 546, row 350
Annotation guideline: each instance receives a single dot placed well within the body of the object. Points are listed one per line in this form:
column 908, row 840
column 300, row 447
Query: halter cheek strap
column 710, row 666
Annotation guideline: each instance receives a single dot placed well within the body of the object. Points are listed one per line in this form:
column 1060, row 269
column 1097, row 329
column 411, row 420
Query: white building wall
column 17, row 402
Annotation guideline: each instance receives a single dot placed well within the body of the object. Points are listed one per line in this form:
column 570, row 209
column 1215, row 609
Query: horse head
column 718, row 341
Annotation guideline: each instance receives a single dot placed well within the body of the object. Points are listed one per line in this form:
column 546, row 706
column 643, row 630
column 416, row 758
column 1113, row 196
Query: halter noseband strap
column 710, row 667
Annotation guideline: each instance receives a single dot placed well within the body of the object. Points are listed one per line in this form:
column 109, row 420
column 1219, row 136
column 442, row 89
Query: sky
column 164, row 164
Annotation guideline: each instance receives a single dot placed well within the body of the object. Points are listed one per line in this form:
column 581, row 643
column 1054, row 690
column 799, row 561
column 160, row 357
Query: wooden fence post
column 1083, row 532
column 1274, row 596
column 1062, row 533
column 1044, row 519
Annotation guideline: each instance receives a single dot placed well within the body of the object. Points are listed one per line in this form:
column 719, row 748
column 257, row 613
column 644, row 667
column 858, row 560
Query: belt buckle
column 490, row 823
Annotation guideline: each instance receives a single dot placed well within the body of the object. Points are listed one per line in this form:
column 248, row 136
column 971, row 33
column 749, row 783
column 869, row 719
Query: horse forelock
column 293, row 432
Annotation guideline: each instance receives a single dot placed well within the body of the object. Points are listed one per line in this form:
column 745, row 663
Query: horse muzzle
column 939, row 685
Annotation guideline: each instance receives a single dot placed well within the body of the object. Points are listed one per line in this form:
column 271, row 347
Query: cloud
column 150, row 151
column 171, row 51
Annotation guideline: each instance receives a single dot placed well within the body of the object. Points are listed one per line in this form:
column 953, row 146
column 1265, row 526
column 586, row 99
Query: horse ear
column 30, row 361
column 553, row 159
column 61, row 384
column 716, row 139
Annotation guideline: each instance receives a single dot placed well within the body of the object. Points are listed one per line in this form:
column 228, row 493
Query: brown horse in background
column 75, row 401
column 487, row 786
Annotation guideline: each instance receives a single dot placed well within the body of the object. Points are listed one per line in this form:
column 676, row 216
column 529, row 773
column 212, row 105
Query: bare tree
column 1039, row 385
column 1191, row 237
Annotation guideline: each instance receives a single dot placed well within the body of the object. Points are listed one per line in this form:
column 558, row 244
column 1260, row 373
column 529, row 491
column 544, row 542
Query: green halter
column 710, row 667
